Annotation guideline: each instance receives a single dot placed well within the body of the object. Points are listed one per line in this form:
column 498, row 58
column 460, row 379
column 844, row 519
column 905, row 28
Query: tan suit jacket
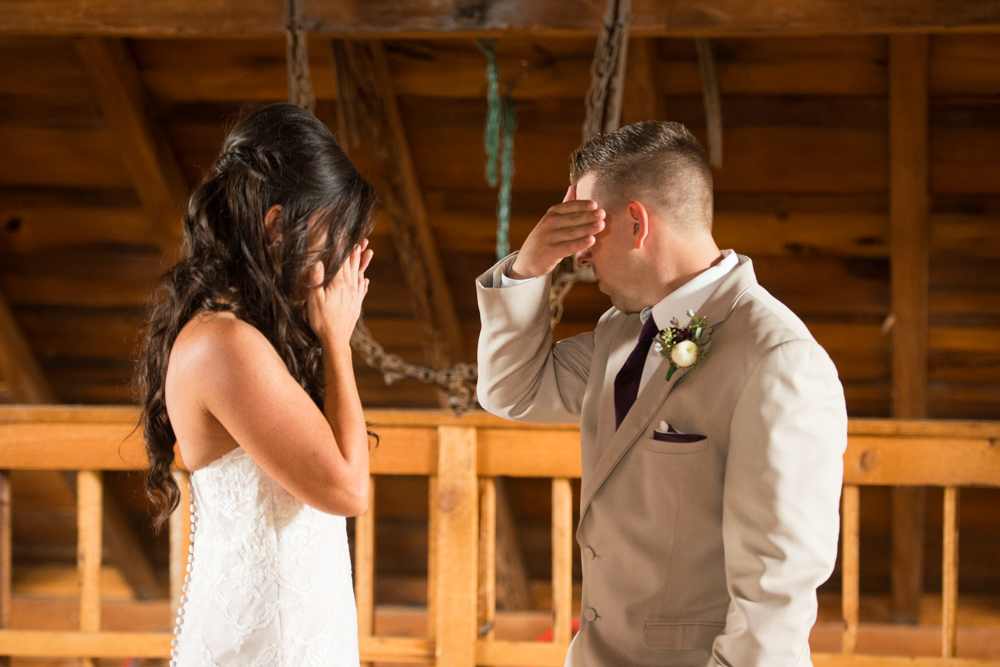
column 694, row 553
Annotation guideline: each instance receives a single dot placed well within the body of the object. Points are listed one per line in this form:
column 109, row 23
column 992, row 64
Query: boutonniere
column 686, row 346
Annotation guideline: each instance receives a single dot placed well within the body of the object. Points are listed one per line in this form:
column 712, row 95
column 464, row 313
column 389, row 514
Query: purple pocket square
column 670, row 434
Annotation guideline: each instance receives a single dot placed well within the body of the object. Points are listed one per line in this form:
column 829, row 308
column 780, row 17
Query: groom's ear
column 639, row 217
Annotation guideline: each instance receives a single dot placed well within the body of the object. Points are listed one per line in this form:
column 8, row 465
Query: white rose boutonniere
column 685, row 347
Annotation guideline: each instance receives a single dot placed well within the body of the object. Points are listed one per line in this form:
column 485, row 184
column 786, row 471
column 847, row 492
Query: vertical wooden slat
column 562, row 560
column 364, row 566
column 90, row 506
column 949, row 583
column 909, row 241
column 180, row 539
column 457, row 537
column 5, row 556
column 850, row 566
column 432, row 556
column 487, row 558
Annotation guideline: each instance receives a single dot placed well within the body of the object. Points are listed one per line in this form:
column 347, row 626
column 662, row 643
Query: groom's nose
column 584, row 258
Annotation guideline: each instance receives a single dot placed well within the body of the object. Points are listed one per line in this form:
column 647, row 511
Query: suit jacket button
column 590, row 614
column 589, row 553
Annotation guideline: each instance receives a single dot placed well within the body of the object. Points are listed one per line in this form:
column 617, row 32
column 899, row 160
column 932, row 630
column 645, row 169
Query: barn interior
column 856, row 154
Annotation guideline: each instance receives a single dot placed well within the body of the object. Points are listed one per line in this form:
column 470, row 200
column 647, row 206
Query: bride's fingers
column 366, row 257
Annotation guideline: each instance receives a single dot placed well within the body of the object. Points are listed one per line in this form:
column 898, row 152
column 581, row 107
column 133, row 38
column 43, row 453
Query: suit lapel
column 717, row 309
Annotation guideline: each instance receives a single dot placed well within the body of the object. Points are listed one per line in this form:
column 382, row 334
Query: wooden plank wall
column 804, row 191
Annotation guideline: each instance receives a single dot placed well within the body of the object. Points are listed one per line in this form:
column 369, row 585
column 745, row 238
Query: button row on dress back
column 187, row 581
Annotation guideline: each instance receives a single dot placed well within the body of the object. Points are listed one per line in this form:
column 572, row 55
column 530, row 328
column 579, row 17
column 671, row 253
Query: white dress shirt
column 689, row 296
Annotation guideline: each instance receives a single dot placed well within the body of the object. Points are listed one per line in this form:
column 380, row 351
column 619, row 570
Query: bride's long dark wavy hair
column 274, row 155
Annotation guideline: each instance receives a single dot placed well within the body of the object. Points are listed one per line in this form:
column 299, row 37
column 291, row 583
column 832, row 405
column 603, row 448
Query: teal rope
column 491, row 134
column 506, row 174
column 498, row 140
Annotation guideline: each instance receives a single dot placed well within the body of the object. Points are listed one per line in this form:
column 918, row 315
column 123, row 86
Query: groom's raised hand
column 564, row 230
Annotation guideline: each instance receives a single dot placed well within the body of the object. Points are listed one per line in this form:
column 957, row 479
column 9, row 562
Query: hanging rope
column 498, row 140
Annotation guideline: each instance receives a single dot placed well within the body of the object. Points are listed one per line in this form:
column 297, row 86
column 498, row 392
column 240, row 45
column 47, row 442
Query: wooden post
column 364, row 567
column 180, row 539
column 432, row 556
column 949, row 574
column 487, row 558
column 89, row 492
column 850, row 566
column 457, row 537
column 6, row 563
column 511, row 573
column 562, row 561
column 910, row 233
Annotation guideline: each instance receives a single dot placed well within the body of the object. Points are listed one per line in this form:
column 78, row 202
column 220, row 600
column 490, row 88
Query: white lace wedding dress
column 269, row 578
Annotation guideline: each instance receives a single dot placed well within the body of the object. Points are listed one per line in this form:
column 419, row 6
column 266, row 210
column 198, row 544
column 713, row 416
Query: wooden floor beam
column 422, row 268
column 910, row 238
column 145, row 149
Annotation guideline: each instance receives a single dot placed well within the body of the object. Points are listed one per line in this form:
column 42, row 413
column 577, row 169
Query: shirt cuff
column 506, row 280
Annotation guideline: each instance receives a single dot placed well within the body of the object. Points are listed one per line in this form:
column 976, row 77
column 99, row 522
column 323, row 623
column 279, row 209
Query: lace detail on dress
column 270, row 582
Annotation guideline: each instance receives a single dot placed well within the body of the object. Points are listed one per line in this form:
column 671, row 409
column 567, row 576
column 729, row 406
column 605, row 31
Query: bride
column 247, row 366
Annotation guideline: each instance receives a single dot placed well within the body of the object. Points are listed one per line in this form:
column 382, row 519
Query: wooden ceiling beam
column 390, row 19
column 145, row 149
column 403, row 199
column 18, row 365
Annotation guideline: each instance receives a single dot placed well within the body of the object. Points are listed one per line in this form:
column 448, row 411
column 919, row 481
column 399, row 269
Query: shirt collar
column 692, row 294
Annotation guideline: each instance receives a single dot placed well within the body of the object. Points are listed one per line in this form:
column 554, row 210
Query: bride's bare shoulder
column 214, row 340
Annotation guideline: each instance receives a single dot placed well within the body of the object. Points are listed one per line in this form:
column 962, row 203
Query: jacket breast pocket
column 683, row 636
column 669, row 443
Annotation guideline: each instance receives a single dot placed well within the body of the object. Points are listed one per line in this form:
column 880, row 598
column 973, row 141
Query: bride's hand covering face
column 334, row 308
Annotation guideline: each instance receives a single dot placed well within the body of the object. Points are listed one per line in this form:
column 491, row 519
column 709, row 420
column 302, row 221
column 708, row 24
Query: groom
column 712, row 459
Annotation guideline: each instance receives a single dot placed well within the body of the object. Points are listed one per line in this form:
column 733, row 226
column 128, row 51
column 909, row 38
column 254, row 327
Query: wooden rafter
column 910, row 238
column 404, row 203
column 21, row 369
column 384, row 19
column 145, row 150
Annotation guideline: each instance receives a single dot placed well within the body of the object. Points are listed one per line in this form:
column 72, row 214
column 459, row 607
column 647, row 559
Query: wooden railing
column 461, row 458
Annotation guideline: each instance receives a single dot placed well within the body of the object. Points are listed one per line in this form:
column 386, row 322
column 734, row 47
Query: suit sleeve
column 522, row 375
column 781, row 505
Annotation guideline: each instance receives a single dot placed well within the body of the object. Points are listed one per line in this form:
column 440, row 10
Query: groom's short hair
column 658, row 163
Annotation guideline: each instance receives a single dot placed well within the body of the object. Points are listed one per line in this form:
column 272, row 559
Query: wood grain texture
column 910, row 240
column 949, row 581
column 850, row 566
column 89, row 492
column 487, row 605
column 456, row 538
column 384, row 18
column 180, row 539
column 145, row 149
column 18, row 365
column 562, row 561
column 364, row 567
column 6, row 562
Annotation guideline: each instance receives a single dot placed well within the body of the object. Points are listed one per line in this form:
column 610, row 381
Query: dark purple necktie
column 627, row 380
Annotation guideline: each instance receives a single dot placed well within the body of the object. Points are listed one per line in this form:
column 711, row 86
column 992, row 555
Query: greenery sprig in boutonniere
column 685, row 347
